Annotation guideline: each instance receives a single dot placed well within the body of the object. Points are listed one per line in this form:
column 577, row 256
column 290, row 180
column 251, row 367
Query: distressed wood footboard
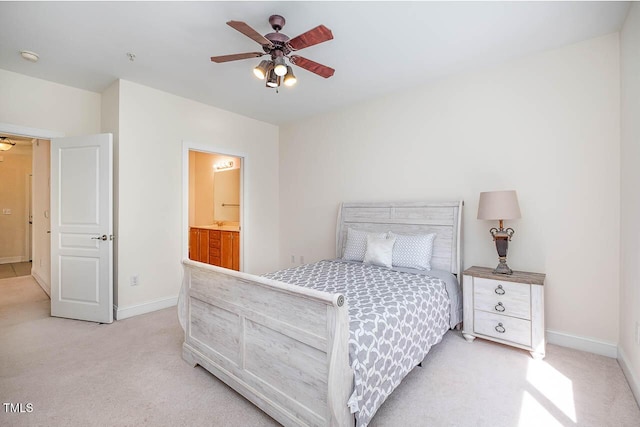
column 283, row 347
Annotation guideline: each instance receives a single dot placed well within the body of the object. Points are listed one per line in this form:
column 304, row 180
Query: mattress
column 395, row 318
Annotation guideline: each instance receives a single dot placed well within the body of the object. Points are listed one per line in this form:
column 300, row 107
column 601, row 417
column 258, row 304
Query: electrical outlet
column 6, row 211
column 301, row 259
column 293, row 259
column 134, row 280
column 638, row 333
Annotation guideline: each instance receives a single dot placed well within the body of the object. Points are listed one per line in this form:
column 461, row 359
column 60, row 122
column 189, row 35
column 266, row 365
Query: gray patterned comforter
column 394, row 319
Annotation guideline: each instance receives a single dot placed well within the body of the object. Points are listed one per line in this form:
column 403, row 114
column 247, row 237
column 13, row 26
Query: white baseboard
column 633, row 381
column 43, row 284
column 120, row 313
column 12, row 259
column 582, row 343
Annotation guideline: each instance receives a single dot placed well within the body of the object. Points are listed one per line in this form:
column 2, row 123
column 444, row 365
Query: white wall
column 546, row 125
column 630, row 197
column 36, row 103
column 153, row 125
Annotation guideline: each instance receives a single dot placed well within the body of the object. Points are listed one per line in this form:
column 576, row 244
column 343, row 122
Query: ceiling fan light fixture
column 261, row 70
column 6, row 144
column 290, row 78
column 280, row 67
column 279, row 47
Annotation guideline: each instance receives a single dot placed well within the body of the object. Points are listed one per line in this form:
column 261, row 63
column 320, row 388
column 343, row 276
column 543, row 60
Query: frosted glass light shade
column 497, row 205
column 272, row 79
column 280, row 68
column 290, row 78
column 261, row 70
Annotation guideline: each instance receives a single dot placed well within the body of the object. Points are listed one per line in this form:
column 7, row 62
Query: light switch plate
column 6, row 211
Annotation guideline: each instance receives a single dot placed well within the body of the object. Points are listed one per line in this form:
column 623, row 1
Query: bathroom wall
column 202, row 187
column 209, row 189
column 226, row 191
column 15, row 166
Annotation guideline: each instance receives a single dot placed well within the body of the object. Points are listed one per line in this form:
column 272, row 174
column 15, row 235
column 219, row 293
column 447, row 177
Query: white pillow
column 356, row 245
column 413, row 251
column 379, row 251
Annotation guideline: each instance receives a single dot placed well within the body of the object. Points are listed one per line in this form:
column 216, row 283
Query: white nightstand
column 508, row 309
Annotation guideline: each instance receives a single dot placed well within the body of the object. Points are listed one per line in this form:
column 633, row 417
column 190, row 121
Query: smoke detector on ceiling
column 29, row 56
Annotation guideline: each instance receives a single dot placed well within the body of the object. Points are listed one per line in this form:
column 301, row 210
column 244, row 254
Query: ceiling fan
column 279, row 46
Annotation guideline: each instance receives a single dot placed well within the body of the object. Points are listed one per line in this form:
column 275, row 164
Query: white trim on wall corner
column 582, row 343
column 120, row 313
column 633, row 381
column 43, row 284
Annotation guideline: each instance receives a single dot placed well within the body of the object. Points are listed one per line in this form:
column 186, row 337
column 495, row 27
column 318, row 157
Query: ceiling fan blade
column 245, row 29
column 314, row 36
column 314, row 67
column 235, row 57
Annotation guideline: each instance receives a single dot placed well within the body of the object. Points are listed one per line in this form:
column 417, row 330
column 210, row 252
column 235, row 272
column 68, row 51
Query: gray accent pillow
column 413, row 251
column 356, row 245
column 379, row 251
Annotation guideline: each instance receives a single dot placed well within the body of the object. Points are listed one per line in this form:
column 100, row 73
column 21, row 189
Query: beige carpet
column 130, row 374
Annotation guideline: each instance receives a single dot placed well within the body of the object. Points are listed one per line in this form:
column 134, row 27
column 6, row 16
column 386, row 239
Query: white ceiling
column 378, row 47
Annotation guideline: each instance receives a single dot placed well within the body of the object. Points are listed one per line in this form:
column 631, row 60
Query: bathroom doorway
column 215, row 208
column 16, row 156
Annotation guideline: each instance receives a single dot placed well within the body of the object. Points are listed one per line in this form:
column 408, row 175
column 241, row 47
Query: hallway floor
column 15, row 269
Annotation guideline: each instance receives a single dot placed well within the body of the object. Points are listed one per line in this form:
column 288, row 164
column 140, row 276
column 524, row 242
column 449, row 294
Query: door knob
column 103, row 237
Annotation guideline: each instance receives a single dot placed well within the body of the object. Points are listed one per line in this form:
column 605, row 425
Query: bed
column 285, row 344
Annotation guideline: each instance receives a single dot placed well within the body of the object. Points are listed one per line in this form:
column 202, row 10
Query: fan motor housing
column 279, row 40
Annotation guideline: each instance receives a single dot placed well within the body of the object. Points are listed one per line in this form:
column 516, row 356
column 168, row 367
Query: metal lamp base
column 502, row 267
column 502, row 237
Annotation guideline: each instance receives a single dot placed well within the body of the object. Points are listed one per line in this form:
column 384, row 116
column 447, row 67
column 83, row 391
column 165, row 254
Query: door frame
column 29, row 132
column 28, row 238
column 244, row 192
column 35, row 133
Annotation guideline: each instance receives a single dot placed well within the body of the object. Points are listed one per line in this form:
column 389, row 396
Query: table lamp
column 500, row 205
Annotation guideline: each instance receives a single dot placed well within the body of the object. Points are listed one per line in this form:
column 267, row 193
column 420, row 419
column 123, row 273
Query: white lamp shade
column 497, row 205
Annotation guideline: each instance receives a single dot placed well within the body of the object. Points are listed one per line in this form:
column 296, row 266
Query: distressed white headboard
column 444, row 219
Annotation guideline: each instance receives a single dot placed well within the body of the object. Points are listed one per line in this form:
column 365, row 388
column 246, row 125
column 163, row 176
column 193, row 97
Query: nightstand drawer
column 503, row 327
column 508, row 298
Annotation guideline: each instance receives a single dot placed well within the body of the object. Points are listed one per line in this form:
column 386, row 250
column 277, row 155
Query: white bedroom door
column 82, row 228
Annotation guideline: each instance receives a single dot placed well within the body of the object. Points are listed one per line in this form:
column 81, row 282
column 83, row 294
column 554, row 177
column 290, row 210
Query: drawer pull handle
column 500, row 307
column 499, row 290
column 500, row 328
